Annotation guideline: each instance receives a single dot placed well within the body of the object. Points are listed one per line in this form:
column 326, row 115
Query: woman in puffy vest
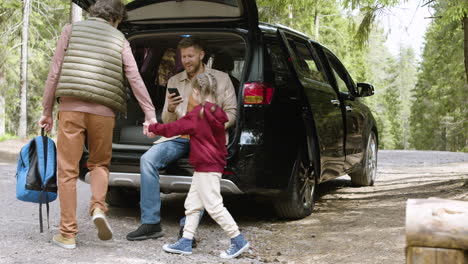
column 86, row 78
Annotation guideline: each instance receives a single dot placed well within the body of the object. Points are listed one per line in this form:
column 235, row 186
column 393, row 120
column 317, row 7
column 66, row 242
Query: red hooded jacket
column 207, row 136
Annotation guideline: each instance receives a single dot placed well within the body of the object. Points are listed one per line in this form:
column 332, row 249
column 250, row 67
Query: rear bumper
column 168, row 183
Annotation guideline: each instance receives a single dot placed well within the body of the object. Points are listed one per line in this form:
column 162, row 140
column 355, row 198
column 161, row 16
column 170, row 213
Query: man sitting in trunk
column 167, row 150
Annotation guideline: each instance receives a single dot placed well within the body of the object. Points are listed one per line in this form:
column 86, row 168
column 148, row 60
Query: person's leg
column 99, row 137
column 70, row 142
column 182, row 224
column 183, row 219
column 210, row 193
column 193, row 205
column 156, row 158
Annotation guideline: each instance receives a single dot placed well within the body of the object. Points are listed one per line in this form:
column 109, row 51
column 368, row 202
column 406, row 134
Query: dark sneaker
column 146, row 231
column 183, row 247
column 181, row 233
column 238, row 245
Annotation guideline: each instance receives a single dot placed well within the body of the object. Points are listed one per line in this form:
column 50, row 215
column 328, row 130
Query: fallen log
column 423, row 255
column 437, row 223
column 436, row 231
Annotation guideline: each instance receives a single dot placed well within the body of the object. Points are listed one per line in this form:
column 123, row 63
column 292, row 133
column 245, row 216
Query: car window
column 306, row 61
column 343, row 81
column 238, row 67
column 277, row 65
column 342, row 87
column 278, row 60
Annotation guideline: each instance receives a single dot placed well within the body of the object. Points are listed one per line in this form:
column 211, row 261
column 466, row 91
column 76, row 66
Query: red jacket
column 207, row 136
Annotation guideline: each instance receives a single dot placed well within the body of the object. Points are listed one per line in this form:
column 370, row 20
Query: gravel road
column 349, row 225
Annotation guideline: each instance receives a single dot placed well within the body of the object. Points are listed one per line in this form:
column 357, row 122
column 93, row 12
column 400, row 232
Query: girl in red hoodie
column 205, row 125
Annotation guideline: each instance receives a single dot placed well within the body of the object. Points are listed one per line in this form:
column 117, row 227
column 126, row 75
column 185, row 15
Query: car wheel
column 299, row 200
column 366, row 175
column 122, row 197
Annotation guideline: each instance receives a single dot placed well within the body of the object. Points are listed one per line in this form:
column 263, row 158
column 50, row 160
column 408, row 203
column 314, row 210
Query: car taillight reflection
column 257, row 93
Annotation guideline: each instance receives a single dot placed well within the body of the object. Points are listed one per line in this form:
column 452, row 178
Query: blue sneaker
column 238, row 245
column 183, row 247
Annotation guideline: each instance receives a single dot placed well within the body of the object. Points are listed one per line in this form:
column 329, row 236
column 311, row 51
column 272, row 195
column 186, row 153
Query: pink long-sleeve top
column 73, row 104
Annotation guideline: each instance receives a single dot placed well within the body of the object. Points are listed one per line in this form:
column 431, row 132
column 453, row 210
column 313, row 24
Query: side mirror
column 365, row 89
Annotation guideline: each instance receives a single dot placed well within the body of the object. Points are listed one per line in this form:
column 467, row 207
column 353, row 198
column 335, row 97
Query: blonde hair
column 206, row 85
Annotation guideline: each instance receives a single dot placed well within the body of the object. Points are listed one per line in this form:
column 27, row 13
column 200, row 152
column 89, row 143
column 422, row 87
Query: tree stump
column 436, row 231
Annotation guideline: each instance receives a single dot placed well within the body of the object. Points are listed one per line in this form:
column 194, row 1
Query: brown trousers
column 73, row 128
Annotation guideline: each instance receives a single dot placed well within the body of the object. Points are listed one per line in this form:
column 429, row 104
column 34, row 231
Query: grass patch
column 7, row 137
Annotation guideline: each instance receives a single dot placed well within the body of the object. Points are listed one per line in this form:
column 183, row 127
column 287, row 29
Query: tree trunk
column 290, row 15
column 465, row 28
column 317, row 21
column 76, row 13
column 2, row 104
column 317, row 25
column 22, row 130
column 437, row 223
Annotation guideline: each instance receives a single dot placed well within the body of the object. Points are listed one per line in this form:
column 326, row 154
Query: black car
column 300, row 117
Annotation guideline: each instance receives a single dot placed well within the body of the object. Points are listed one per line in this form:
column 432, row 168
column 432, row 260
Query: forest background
column 419, row 103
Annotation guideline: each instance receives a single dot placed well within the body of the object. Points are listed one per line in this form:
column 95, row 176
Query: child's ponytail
column 205, row 84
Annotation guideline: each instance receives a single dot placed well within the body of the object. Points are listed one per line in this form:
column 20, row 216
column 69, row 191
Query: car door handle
column 335, row 102
column 349, row 108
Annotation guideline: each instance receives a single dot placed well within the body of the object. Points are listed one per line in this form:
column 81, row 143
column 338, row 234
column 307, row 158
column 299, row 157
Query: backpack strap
column 40, row 211
column 46, row 143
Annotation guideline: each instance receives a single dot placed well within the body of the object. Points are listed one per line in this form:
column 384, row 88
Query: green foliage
column 450, row 11
column 393, row 79
column 354, row 4
column 7, row 137
column 439, row 113
column 46, row 20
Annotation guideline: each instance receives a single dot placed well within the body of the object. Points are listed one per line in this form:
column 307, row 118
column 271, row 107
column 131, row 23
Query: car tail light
column 257, row 93
column 227, row 172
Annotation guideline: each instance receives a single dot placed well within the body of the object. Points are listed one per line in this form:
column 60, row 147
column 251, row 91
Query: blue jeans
column 156, row 158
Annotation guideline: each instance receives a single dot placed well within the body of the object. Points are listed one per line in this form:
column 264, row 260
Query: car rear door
column 222, row 13
column 323, row 101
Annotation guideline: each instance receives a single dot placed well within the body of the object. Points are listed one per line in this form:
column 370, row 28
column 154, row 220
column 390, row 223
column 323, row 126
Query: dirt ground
column 349, row 225
column 360, row 225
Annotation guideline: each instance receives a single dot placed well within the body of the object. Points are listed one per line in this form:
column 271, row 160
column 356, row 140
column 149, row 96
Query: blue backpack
column 36, row 173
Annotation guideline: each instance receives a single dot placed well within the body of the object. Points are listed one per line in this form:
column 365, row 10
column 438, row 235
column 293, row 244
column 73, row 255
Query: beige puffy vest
column 92, row 66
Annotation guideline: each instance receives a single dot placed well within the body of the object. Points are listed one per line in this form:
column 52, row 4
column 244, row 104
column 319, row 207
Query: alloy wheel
column 307, row 184
column 371, row 160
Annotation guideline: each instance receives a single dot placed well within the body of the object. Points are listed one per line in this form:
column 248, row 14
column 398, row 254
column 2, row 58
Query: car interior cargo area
column 158, row 60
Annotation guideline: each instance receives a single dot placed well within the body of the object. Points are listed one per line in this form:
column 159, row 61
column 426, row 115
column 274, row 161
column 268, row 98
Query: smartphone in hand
column 173, row 91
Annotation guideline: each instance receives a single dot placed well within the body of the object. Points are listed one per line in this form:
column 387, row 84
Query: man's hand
column 173, row 102
column 146, row 125
column 46, row 122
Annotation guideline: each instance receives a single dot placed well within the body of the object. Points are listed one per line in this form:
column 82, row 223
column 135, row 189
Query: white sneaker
column 103, row 227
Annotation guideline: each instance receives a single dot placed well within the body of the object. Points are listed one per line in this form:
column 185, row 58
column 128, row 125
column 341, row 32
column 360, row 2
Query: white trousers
column 205, row 193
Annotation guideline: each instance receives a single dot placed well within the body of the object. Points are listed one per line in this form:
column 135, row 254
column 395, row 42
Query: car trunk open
column 233, row 13
column 158, row 59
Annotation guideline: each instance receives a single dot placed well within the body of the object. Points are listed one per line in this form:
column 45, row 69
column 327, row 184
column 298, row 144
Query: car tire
column 122, row 197
column 366, row 174
column 299, row 199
